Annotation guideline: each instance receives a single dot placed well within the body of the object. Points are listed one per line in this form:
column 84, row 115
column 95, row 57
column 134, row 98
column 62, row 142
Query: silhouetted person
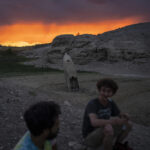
column 42, row 120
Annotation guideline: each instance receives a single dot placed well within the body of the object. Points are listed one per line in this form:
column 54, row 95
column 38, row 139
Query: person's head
column 42, row 117
column 107, row 87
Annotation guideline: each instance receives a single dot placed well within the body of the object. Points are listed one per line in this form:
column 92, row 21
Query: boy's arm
column 116, row 112
column 96, row 122
column 124, row 115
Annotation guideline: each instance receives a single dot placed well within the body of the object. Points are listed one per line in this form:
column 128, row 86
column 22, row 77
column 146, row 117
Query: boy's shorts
column 95, row 138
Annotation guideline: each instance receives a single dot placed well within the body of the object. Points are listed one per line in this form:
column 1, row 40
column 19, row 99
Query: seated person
column 103, row 120
column 42, row 120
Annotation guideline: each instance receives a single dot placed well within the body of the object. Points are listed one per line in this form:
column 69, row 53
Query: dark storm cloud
column 65, row 11
column 98, row 1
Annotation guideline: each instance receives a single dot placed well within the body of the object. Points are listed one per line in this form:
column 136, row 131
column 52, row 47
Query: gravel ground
column 19, row 92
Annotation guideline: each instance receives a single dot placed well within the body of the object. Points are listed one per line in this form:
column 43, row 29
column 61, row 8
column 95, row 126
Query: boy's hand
column 124, row 116
column 118, row 121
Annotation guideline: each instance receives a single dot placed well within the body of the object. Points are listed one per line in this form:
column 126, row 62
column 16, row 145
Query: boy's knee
column 108, row 130
column 129, row 126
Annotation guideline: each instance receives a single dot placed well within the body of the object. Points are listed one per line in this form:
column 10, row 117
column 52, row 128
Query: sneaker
column 122, row 146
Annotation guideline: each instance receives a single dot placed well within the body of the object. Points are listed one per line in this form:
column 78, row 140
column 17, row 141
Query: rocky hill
column 127, row 48
column 131, row 43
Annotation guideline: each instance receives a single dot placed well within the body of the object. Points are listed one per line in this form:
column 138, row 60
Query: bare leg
column 108, row 142
column 108, row 137
column 125, row 132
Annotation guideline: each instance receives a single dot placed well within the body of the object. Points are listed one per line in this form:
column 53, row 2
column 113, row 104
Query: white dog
column 70, row 73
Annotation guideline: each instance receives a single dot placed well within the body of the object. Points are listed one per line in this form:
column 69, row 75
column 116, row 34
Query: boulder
column 63, row 40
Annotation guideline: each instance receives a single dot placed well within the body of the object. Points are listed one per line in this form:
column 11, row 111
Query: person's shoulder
column 112, row 102
column 24, row 142
column 92, row 102
column 22, row 148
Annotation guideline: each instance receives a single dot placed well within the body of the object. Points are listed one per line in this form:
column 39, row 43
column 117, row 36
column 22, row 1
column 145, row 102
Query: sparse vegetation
column 11, row 64
column 32, row 93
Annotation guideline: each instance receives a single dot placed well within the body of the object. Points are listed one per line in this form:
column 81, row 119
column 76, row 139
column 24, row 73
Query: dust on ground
column 19, row 92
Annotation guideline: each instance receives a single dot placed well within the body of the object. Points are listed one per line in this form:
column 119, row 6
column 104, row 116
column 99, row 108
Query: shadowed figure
column 70, row 73
column 104, row 124
column 42, row 121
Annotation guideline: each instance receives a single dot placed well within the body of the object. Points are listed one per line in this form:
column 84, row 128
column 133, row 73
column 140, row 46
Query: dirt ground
column 19, row 92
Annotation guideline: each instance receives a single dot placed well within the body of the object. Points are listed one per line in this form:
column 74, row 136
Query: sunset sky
column 26, row 22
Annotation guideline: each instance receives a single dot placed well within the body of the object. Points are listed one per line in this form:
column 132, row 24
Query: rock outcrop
column 122, row 51
column 131, row 43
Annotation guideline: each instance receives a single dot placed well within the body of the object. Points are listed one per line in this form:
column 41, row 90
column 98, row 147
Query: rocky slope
column 126, row 50
column 131, row 43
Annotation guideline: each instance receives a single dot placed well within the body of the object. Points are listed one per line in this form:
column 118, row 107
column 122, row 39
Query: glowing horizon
column 27, row 34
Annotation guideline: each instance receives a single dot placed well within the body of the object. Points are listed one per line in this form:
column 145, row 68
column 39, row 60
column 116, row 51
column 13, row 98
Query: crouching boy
column 42, row 120
column 103, row 121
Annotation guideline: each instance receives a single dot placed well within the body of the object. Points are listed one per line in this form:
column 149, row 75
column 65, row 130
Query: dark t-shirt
column 103, row 112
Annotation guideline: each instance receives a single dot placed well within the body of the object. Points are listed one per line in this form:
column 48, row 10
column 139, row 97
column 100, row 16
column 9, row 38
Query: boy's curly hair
column 107, row 82
column 41, row 116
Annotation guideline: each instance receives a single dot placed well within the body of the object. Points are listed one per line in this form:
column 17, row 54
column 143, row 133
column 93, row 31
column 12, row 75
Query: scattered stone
column 67, row 103
column 72, row 143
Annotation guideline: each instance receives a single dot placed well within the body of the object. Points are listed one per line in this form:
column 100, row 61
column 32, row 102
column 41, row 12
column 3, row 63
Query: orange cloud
column 35, row 33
